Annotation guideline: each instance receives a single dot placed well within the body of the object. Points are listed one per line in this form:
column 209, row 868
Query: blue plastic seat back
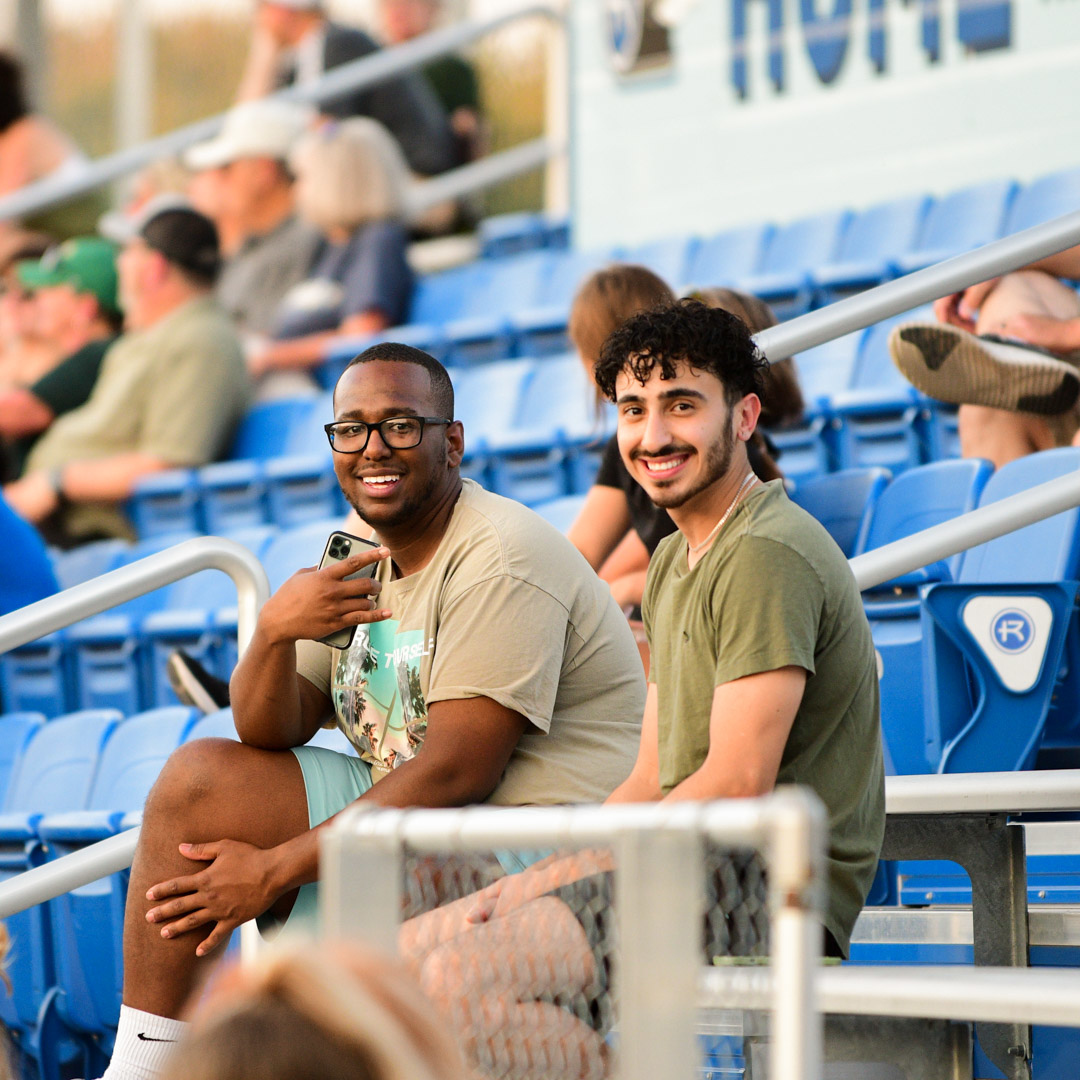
column 568, row 271
column 445, row 296
column 828, row 367
column 1048, row 197
column 487, row 398
column 296, row 548
column 306, row 436
column 16, row 731
column 57, row 766
column 1049, row 550
column 727, row 257
column 87, row 561
column 843, row 502
column 515, row 282
column 875, row 369
column 332, row 739
column 881, row 231
column 965, row 219
column 670, row 259
column 210, row 589
column 215, row 725
column 134, row 755
column 558, row 396
column 266, row 427
column 804, row 244
column 509, row 234
column 151, row 601
column 561, row 512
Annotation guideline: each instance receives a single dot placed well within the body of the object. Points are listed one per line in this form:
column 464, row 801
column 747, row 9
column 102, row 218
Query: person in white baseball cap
column 244, row 183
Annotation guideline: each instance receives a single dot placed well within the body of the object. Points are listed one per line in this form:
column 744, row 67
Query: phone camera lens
column 346, row 546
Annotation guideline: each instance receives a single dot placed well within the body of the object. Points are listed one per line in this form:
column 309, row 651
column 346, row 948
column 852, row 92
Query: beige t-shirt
column 175, row 390
column 509, row 610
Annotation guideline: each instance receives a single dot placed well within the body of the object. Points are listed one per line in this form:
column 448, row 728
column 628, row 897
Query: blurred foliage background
column 198, row 59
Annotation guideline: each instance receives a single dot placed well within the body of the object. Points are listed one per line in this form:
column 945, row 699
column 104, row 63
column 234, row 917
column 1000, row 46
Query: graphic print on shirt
column 377, row 692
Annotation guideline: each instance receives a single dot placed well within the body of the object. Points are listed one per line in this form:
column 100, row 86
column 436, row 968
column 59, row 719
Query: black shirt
column 648, row 520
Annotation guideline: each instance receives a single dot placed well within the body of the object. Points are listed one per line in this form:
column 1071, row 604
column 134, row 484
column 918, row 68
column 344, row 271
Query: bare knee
column 1027, row 292
column 196, row 777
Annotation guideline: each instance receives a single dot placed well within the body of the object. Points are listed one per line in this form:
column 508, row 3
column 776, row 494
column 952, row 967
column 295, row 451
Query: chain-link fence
column 567, row 943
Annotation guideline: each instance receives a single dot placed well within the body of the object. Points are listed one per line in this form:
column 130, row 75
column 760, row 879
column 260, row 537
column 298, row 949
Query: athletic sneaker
column 194, row 685
column 950, row 364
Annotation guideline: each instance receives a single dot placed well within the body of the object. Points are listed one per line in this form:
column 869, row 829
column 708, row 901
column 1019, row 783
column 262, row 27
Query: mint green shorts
column 332, row 781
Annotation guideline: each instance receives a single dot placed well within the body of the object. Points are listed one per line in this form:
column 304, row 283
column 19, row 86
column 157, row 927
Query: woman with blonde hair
column 316, row 1012
column 351, row 179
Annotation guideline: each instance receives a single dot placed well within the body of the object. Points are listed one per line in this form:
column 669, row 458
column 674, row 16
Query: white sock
column 144, row 1042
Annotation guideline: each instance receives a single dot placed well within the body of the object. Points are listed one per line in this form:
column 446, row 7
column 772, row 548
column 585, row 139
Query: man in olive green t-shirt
column 763, row 669
column 169, row 393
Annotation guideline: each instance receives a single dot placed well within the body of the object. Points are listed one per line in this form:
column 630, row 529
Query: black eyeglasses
column 397, row 432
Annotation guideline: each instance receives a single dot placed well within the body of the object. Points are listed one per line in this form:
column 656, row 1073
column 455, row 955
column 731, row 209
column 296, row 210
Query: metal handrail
column 357, row 75
column 91, row 598
column 983, row 793
column 977, row 527
column 902, row 294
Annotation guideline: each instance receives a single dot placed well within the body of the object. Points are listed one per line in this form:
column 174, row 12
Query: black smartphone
column 340, row 546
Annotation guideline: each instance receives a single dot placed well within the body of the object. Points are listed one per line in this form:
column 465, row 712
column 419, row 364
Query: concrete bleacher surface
column 91, row 716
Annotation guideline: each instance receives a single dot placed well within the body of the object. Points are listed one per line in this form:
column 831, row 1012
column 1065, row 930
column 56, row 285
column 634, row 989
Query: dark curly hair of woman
column 708, row 339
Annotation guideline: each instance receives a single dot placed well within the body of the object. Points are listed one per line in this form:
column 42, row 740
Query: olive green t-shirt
column 175, row 391
column 506, row 609
column 775, row 591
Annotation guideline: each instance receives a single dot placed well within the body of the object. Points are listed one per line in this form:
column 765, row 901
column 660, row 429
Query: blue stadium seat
column 165, row 502
column 1043, row 199
column 299, row 489
column 782, row 277
column 199, row 615
column 294, row 549
column 541, row 330
column 844, row 503
column 87, row 561
column 16, row 730
column 958, row 222
column 37, row 677
column 670, row 258
column 333, row 739
column 880, row 419
column 215, row 725
column 726, row 258
column 88, row 923
column 233, row 496
column 930, row 668
column 268, row 426
column 873, row 238
column 54, row 774
column 511, row 234
column 916, row 500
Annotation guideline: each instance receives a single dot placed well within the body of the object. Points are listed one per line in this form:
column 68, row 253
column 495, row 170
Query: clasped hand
column 236, row 885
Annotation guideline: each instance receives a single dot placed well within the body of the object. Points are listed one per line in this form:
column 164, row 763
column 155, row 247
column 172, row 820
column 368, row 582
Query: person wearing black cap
column 169, row 394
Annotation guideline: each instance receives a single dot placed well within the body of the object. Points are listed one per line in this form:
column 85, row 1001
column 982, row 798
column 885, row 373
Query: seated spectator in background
column 254, row 199
column 78, row 314
column 24, row 355
column 1006, row 351
column 618, row 527
column 452, row 77
column 350, row 185
column 294, row 42
column 488, row 665
column 169, row 393
column 320, row 1012
column 26, row 573
column 31, row 149
column 763, row 673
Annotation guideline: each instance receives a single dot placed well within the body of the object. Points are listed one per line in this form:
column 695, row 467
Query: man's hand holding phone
column 317, row 603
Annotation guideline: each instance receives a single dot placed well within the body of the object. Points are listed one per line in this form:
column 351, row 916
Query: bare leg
column 211, row 789
column 998, row 435
column 487, row 981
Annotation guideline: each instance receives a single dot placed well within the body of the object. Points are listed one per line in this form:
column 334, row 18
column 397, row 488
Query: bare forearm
column 108, row 479
column 635, row 789
column 723, row 781
column 265, row 695
column 22, row 413
column 1065, row 264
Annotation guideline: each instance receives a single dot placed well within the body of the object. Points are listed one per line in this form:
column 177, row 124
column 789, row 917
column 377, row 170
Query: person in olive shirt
column 75, row 286
column 169, row 394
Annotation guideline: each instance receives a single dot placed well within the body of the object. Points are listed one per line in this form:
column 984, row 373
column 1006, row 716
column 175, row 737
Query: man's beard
column 411, row 509
column 717, row 462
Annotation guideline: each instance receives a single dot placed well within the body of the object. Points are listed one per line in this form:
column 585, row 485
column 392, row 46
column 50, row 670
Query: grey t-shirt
column 255, row 280
column 509, row 610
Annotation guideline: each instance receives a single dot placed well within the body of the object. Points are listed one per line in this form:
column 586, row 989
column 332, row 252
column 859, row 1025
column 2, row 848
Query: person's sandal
column 951, row 365
column 194, row 685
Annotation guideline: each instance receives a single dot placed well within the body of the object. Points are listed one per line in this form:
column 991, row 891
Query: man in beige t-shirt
column 169, row 393
column 490, row 664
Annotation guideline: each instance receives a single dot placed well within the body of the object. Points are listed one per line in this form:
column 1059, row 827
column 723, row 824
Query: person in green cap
column 75, row 285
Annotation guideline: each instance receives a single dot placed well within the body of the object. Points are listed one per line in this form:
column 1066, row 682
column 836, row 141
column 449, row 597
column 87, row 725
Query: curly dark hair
column 687, row 331
column 13, row 103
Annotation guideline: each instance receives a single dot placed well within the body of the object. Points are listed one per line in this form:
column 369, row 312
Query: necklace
column 748, row 482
